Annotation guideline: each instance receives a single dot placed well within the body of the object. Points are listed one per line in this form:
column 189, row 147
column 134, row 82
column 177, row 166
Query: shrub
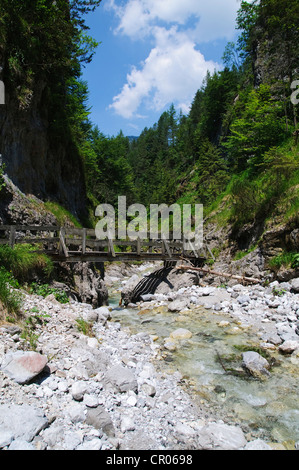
column 284, row 259
column 257, row 127
column 84, row 327
column 44, row 290
column 295, row 261
column 22, row 260
column 10, row 297
column 247, row 198
column 33, row 320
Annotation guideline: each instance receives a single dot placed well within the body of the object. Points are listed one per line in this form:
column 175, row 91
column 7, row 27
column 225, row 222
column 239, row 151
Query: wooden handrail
column 59, row 243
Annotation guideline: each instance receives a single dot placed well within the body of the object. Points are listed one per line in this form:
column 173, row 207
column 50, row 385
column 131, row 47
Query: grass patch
column 16, row 267
column 22, row 260
column 84, row 327
column 62, row 215
column 241, row 254
column 31, row 324
column 286, row 259
column 10, row 296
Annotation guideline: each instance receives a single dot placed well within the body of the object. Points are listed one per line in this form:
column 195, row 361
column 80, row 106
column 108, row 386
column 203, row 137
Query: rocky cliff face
column 262, row 241
column 18, row 209
column 36, row 162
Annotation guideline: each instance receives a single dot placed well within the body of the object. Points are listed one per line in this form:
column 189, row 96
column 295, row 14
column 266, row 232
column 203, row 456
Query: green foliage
column 295, row 261
column 77, row 111
column 29, row 33
column 155, row 159
column 278, row 20
column 243, row 348
column 10, row 297
column 22, row 260
column 108, row 172
column 278, row 292
column 280, row 164
column 84, row 327
column 44, row 290
column 33, row 320
column 43, row 46
column 62, row 215
column 247, row 17
column 287, row 259
column 231, row 56
column 258, row 125
column 241, row 254
column 209, row 177
column 259, row 196
column 280, row 179
column 247, row 196
column 219, row 90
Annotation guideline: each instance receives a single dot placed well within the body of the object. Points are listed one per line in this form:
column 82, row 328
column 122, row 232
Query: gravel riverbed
column 109, row 390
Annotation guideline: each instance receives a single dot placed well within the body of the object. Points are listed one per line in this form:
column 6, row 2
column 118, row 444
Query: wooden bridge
column 71, row 245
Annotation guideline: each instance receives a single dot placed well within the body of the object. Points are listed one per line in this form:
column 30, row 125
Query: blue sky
column 153, row 53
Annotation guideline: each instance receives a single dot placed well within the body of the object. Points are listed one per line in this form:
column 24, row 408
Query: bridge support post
column 62, row 245
column 138, row 246
column 12, row 236
column 84, row 231
column 166, row 248
column 111, row 247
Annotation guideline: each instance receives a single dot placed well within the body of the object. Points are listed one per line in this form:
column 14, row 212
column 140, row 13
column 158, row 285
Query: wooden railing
column 81, row 244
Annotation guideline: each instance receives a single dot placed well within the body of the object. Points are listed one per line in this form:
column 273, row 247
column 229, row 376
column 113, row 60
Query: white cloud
column 172, row 72
column 175, row 67
column 214, row 19
column 134, row 20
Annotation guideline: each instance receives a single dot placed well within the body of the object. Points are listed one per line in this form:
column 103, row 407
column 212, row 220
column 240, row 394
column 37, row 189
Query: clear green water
column 267, row 409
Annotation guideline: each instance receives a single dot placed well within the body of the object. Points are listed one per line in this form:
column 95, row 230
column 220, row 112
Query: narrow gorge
column 165, row 356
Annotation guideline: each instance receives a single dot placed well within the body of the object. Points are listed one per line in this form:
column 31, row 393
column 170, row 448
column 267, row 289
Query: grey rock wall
column 36, row 162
